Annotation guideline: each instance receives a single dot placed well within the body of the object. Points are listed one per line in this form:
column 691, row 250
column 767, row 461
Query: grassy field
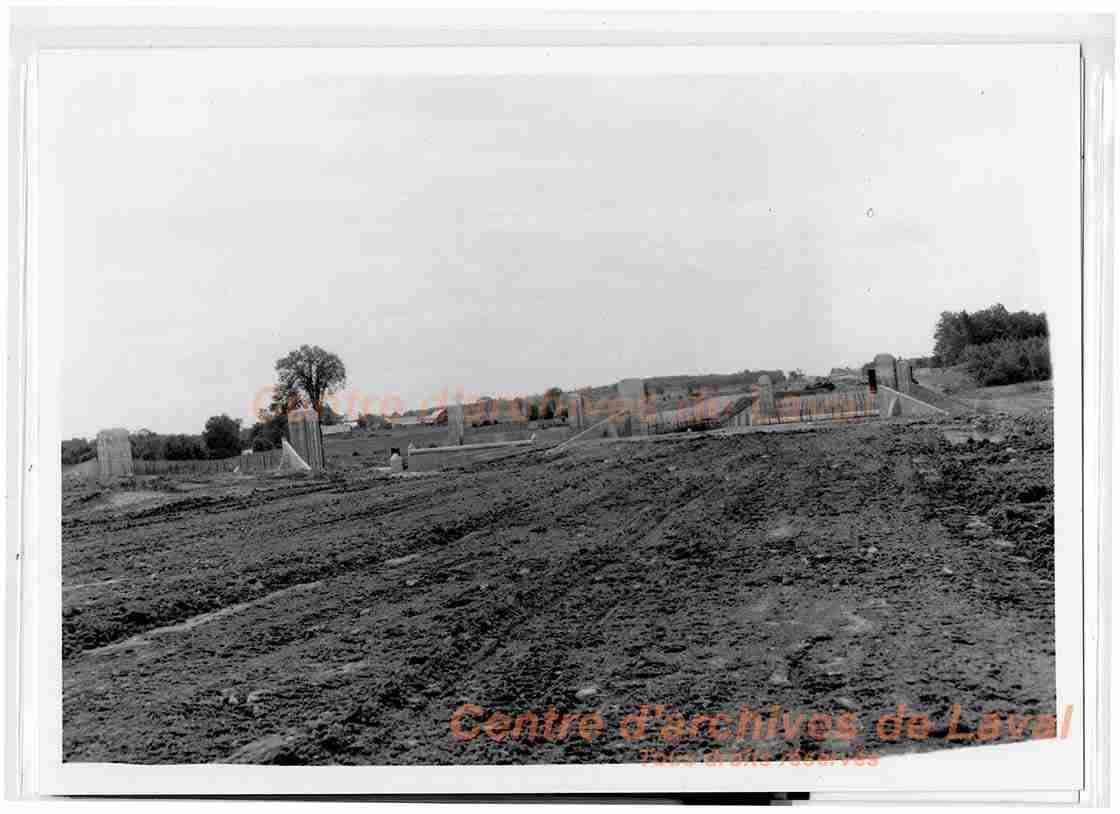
column 1024, row 398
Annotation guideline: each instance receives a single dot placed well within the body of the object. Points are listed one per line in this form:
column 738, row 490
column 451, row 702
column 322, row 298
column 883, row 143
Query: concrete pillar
column 114, row 453
column 767, row 409
column 576, row 418
column 885, row 370
column 454, row 425
column 306, row 437
column 903, row 368
column 633, row 395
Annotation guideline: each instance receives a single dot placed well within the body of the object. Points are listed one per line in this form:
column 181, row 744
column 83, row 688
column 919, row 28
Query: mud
column 343, row 619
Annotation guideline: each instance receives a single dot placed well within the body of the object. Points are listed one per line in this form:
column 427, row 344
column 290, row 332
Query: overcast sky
column 504, row 234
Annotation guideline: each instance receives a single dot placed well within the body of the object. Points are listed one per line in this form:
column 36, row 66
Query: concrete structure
column 740, row 414
column 306, row 438
column 576, row 419
column 885, row 371
column 886, row 377
column 395, row 462
column 899, row 403
column 902, row 371
column 114, row 453
column 432, row 458
column 632, row 393
column 291, row 461
column 405, row 421
column 613, row 427
column 698, row 414
column 454, row 425
column 765, row 409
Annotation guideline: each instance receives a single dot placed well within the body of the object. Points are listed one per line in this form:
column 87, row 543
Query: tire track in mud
column 183, row 507
column 187, row 625
column 492, row 627
column 578, row 618
column 358, row 559
column 639, row 572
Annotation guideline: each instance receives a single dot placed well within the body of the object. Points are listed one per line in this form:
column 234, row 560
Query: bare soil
column 343, row 619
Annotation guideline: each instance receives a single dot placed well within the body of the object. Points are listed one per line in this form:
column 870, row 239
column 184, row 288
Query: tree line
column 994, row 345
column 304, row 377
column 220, row 438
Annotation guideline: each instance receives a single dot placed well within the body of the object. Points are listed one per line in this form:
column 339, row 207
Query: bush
column 1008, row 361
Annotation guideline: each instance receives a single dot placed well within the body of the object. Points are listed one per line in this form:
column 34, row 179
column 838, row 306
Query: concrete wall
column 907, row 404
column 835, row 405
column 615, row 426
column 427, row 460
column 710, row 409
column 553, row 435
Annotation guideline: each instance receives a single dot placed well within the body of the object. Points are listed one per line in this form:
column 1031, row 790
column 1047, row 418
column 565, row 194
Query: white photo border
column 33, row 516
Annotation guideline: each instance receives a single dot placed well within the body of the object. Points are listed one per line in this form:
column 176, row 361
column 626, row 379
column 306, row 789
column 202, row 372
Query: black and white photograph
column 555, row 406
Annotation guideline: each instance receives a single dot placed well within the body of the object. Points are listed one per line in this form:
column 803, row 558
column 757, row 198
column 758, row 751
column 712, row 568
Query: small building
column 437, row 417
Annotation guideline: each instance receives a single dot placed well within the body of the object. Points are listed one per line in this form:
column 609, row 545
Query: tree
column 183, row 448
column 269, row 431
column 958, row 330
column 305, row 376
column 146, row 445
column 1008, row 361
column 222, row 437
column 534, row 412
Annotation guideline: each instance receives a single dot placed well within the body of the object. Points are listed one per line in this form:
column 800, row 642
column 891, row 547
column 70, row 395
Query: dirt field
column 344, row 619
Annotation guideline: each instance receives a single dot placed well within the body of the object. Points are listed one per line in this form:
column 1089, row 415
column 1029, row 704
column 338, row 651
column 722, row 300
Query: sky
column 500, row 234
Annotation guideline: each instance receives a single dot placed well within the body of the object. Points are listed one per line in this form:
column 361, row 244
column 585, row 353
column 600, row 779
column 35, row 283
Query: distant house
column 435, row 417
column 405, row 421
column 482, row 412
